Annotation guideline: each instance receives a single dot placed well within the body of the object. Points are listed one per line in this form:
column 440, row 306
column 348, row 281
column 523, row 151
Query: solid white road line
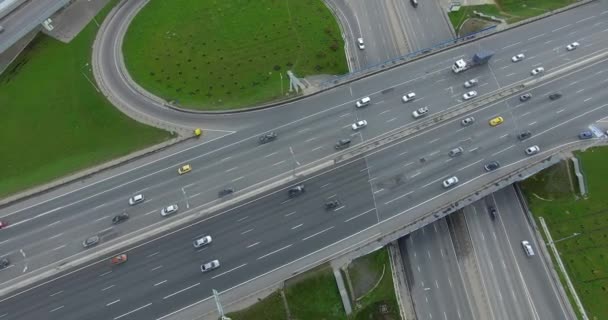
column 134, row 310
column 273, row 252
column 223, row 273
column 318, row 233
column 180, row 291
column 399, row 197
column 360, row 214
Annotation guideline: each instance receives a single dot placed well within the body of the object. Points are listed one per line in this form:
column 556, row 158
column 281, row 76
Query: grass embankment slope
column 510, row 10
column 585, row 256
column 216, row 55
column 53, row 121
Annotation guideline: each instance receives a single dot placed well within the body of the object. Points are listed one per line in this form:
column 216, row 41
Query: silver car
column 467, row 121
column 91, row 241
column 169, row 210
column 450, row 181
column 455, row 152
column 202, row 241
column 210, row 265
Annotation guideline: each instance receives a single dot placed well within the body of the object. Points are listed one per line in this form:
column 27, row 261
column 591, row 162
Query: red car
column 121, row 258
column 3, row 224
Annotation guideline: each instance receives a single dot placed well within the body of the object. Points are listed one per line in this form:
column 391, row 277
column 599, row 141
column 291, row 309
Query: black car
column 492, row 212
column 270, row 136
column 296, row 191
column 555, row 96
column 491, row 166
column 525, row 97
column 524, row 135
column 90, row 242
column 4, row 262
column 342, row 143
column 120, row 218
column 331, row 205
column 225, row 192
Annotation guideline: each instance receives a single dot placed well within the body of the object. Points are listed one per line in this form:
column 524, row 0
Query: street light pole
column 216, row 296
column 568, row 237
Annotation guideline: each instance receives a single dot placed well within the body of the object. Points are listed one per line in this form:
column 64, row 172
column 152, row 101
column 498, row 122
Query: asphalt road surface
column 42, row 232
column 238, row 160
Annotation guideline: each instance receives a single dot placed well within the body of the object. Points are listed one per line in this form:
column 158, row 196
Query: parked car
column 525, row 97
column 538, row 70
column 363, row 102
column 342, row 143
column 120, row 218
column 265, row 138
column 119, row 259
column 136, row 199
column 202, row 241
column 184, row 169
column 555, row 96
column 518, row 57
column 469, row 95
column 359, row 124
column 491, row 166
column 91, row 241
column 585, row 135
column 467, row 121
column 524, row 135
column 470, row 83
column 450, row 181
column 532, row 150
column 409, row 97
column 420, row 112
column 169, row 210
column 572, row 46
column 296, row 191
column 210, row 265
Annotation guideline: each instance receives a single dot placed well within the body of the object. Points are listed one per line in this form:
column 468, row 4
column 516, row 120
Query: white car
column 136, row 199
column 527, row 248
column 359, row 124
column 169, row 210
column 469, row 95
column 210, row 265
column 409, row 97
column 450, row 181
column 538, row 70
column 420, row 112
column 532, row 150
column 572, row 46
column 467, row 121
column 360, row 43
column 203, row 241
column 518, row 57
column 470, row 83
column 363, row 102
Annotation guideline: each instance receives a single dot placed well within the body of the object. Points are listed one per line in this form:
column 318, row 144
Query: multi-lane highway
column 485, row 274
column 398, row 179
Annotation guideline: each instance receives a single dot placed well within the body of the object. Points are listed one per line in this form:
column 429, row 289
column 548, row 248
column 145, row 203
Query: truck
column 479, row 58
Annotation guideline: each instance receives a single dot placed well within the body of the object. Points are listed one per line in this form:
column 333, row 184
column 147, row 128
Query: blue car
column 585, row 135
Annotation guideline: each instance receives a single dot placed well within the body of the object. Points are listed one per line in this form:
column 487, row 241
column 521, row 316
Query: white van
column 363, row 102
column 527, row 248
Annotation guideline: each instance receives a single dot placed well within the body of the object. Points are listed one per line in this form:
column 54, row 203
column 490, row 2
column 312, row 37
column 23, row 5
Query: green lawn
column 585, row 256
column 316, row 297
column 53, row 121
column 269, row 308
column 510, row 10
column 214, row 55
column 383, row 294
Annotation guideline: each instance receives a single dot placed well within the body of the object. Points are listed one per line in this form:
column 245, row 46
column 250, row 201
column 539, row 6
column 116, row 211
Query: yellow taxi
column 184, row 169
column 496, row 121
